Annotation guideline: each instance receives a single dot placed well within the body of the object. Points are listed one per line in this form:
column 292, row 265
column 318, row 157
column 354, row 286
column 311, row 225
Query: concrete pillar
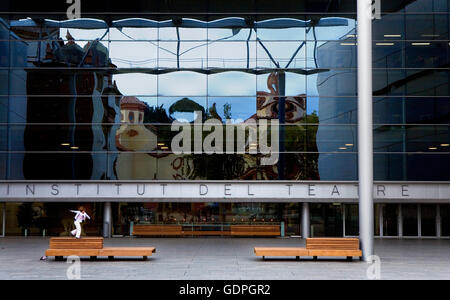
column 438, row 220
column 4, row 220
column 306, row 220
column 107, row 219
column 400, row 221
column 365, row 128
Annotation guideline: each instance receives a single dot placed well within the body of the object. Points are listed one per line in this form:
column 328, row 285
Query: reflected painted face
column 295, row 107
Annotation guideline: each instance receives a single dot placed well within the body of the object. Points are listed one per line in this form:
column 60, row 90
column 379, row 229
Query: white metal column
column 365, row 143
column 107, row 219
column 306, row 223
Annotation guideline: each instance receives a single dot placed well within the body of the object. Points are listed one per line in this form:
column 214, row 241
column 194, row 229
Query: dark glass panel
column 389, row 82
column 427, row 139
column 390, row 219
column 388, row 139
column 410, row 167
column 426, row 55
column 351, row 220
column 432, row 27
column 388, row 54
column 409, row 213
column 326, row 220
column 58, row 166
column 389, row 28
column 445, row 219
column 390, row 110
column 426, row 82
column 428, row 219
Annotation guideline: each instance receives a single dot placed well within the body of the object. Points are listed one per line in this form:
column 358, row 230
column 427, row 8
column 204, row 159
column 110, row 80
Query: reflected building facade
column 98, row 99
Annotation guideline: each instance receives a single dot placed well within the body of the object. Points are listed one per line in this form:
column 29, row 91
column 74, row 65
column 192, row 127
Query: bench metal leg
column 111, row 257
column 58, row 258
column 145, row 258
column 314, row 257
column 93, row 257
column 297, row 258
column 349, row 258
column 264, row 258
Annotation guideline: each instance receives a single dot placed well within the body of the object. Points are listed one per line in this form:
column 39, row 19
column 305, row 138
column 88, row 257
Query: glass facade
column 96, row 98
column 224, row 90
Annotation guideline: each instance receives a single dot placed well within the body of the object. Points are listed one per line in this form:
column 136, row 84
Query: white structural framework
column 365, row 141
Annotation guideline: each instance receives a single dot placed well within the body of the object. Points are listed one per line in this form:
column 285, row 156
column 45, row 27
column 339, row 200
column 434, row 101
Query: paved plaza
column 227, row 259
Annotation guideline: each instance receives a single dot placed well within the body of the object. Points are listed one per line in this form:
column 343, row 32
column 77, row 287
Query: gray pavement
column 226, row 258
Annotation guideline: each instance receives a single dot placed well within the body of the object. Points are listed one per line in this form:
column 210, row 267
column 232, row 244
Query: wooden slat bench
column 331, row 247
column 255, row 230
column 156, row 230
column 93, row 247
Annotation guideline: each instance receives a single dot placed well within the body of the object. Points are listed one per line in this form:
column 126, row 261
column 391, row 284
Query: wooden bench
column 156, row 230
column 93, row 247
column 255, row 230
column 315, row 247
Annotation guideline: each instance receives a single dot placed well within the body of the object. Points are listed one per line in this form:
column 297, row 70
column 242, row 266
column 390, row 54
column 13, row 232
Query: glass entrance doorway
column 326, row 219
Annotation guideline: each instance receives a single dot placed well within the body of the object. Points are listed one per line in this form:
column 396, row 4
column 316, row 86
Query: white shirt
column 80, row 216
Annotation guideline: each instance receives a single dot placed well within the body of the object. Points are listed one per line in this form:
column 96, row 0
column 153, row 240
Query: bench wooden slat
column 280, row 251
column 127, row 251
column 69, row 252
column 73, row 243
column 332, row 247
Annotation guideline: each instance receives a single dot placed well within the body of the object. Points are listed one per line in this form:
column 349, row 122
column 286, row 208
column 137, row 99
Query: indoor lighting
column 445, row 145
column 384, row 44
column 351, row 35
column 65, row 144
column 392, row 35
column 421, row 44
column 349, row 145
column 342, row 148
column 164, row 148
column 74, row 147
column 348, row 44
column 432, row 148
column 161, row 144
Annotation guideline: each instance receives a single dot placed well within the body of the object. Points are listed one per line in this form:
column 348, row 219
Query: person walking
column 80, row 216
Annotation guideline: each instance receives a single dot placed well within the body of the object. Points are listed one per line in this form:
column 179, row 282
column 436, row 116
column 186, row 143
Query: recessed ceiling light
column 65, row 144
column 349, row 145
column 421, row 44
column 74, row 147
column 392, row 35
column 342, row 148
column 432, row 148
column 384, row 44
column 348, row 44
column 445, row 145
